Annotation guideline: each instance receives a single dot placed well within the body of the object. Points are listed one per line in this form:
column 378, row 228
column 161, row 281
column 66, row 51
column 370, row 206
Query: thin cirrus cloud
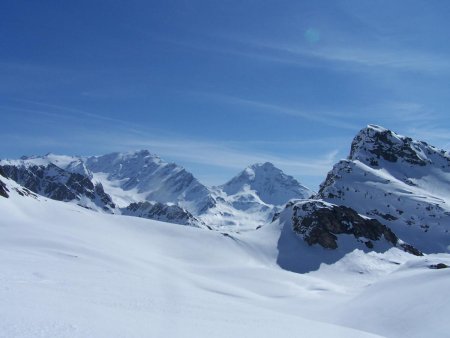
column 332, row 119
column 381, row 57
column 351, row 55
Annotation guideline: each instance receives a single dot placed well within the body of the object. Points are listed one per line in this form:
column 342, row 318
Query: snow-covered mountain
column 401, row 182
column 250, row 199
column 269, row 183
column 141, row 176
column 136, row 183
column 45, row 178
column 130, row 179
column 127, row 177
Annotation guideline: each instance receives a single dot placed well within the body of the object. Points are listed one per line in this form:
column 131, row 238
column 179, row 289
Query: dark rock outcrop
column 320, row 223
column 439, row 266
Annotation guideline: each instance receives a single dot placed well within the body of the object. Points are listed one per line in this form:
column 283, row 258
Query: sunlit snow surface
column 70, row 272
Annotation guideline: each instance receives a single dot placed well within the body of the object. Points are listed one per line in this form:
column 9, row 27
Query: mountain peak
column 398, row 181
column 374, row 144
column 270, row 183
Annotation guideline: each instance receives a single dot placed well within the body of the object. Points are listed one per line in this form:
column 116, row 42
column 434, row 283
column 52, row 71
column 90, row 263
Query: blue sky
column 218, row 85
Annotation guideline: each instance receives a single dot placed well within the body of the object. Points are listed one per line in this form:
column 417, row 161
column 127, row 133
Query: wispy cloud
column 333, row 119
column 351, row 55
column 380, row 57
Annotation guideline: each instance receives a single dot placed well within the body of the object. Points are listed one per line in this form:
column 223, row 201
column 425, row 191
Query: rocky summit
column 401, row 182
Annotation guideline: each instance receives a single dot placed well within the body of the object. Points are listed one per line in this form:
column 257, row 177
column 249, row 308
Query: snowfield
column 71, row 272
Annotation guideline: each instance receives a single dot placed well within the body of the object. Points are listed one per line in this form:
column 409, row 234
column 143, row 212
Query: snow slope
column 71, row 272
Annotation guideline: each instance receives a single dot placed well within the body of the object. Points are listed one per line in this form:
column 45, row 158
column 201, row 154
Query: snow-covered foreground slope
column 71, row 272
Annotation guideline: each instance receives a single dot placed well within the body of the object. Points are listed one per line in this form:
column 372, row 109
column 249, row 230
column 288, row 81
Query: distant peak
column 269, row 183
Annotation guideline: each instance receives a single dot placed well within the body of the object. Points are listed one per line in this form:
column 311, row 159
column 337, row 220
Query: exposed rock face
column 401, row 182
column 3, row 190
column 58, row 184
column 374, row 143
column 162, row 212
column 322, row 223
column 439, row 266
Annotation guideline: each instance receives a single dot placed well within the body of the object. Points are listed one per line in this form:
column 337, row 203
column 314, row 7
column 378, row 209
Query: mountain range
column 390, row 191
column 142, row 184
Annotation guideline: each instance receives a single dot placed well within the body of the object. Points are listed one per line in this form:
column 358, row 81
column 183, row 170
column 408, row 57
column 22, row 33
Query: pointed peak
column 269, row 183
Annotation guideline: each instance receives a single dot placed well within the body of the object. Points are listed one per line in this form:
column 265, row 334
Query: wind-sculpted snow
column 401, row 182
